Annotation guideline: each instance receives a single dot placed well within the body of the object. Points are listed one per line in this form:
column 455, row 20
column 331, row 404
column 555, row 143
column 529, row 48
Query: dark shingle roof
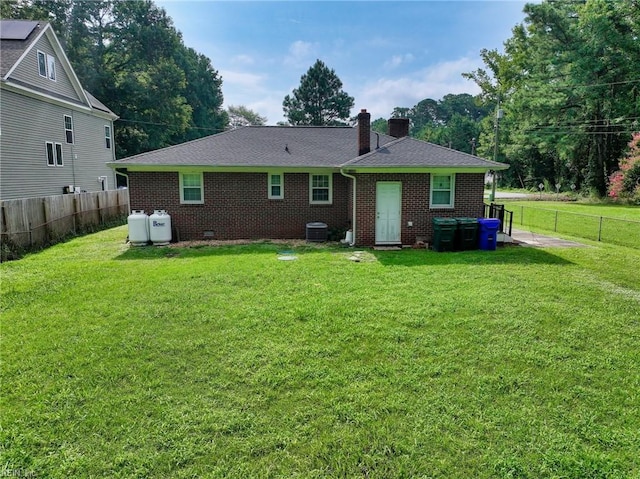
column 301, row 147
column 262, row 146
column 408, row 152
column 12, row 45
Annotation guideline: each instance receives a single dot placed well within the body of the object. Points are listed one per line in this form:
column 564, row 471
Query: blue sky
column 387, row 54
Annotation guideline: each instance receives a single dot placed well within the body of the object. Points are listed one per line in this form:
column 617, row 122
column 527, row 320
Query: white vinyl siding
column 320, row 189
column 276, row 186
column 27, row 125
column 191, row 188
column 442, row 191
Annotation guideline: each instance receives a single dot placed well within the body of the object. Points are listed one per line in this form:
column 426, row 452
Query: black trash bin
column 444, row 232
column 466, row 234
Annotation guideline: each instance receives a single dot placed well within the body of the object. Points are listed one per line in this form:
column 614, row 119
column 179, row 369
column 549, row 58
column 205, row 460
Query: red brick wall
column 236, row 205
column 469, row 191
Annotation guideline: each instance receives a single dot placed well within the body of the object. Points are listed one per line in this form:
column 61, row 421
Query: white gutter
column 353, row 222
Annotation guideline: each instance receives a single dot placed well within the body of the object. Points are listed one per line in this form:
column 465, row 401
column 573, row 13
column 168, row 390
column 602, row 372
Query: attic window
column 47, row 65
column 42, row 64
column 51, row 67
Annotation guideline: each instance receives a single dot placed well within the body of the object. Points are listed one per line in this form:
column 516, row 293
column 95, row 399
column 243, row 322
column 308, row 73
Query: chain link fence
column 597, row 228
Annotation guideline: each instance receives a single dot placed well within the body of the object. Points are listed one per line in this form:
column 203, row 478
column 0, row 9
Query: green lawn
column 226, row 362
column 606, row 222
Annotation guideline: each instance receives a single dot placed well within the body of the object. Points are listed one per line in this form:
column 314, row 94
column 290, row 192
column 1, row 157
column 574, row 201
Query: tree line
column 559, row 105
column 129, row 55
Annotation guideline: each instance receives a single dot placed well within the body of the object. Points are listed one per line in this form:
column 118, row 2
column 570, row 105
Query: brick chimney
column 364, row 132
column 398, row 127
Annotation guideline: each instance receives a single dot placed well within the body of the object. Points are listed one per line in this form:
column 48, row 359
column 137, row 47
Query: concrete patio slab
column 529, row 238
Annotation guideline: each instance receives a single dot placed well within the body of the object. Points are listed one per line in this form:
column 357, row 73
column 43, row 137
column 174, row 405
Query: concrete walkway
column 528, row 238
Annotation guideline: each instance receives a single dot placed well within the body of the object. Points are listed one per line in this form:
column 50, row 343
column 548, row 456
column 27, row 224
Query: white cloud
column 397, row 60
column 381, row 96
column 243, row 60
column 300, row 53
column 239, row 80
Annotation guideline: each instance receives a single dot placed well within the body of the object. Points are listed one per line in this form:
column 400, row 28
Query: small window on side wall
column 68, row 128
column 191, row 188
column 51, row 156
column 42, row 64
column 320, row 189
column 442, row 191
column 276, row 186
column 51, row 67
column 107, row 137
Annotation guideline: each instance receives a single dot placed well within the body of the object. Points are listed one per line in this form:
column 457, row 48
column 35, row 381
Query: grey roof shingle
column 408, row 152
column 305, row 146
column 11, row 47
column 262, row 146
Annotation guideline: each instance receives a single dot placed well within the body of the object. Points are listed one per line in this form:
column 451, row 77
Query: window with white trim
column 442, row 191
column 276, row 186
column 320, row 189
column 42, row 64
column 68, row 128
column 51, row 158
column 191, row 188
column 107, row 137
column 46, row 65
column 54, row 154
column 51, row 67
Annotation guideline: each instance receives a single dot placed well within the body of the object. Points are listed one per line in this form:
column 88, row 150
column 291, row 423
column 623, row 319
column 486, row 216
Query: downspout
column 115, row 170
column 353, row 221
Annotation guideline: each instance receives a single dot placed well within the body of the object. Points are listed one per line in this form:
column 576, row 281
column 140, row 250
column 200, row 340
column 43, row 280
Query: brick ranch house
column 270, row 181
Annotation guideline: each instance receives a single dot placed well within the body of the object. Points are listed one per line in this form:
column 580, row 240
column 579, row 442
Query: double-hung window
column 107, row 137
column 191, row 188
column 276, row 186
column 442, row 190
column 320, row 189
column 68, row 128
column 54, row 154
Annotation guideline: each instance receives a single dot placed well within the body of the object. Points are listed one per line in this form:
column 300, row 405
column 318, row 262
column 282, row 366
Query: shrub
column 624, row 184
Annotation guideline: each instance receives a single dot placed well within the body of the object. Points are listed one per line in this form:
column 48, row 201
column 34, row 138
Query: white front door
column 388, row 212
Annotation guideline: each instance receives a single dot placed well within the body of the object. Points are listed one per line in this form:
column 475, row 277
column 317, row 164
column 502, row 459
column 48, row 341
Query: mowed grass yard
column 226, row 362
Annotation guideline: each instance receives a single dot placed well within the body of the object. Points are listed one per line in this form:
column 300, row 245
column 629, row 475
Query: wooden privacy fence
column 32, row 222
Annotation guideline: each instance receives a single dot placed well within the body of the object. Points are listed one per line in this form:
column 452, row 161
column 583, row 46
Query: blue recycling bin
column 488, row 233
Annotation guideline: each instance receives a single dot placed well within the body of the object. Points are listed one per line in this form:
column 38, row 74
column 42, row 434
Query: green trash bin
column 444, row 234
column 466, row 234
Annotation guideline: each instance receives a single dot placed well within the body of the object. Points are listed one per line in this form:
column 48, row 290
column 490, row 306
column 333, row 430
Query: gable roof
column 17, row 39
column 304, row 147
column 261, row 146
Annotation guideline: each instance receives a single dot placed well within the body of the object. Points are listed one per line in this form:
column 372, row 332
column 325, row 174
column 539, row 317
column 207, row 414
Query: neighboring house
column 53, row 134
column 269, row 182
